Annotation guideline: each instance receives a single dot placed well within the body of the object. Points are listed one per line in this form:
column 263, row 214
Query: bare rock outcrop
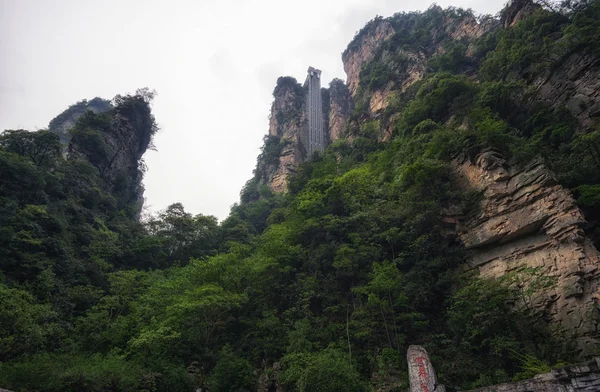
column 526, row 219
column 575, row 85
column 517, row 10
column 340, row 107
column 289, row 125
column 407, row 64
column 287, row 122
column 583, row 377
column 116, row 148
column 363, row 48
column 62, row 123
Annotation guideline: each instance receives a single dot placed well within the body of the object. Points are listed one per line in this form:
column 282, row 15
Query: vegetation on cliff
column 319, row 289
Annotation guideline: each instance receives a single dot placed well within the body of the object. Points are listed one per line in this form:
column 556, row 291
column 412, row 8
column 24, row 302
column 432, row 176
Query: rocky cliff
column 363, row 49
column 583, row 377
column 65, row 121
column 285, row 145
column 114, row 142
column 525, row 220
column 574, row 85
column 340, row 108
column 284, row 148
column 388, row 41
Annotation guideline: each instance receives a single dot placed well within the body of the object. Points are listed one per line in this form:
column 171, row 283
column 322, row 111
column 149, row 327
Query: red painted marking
column 422, row 374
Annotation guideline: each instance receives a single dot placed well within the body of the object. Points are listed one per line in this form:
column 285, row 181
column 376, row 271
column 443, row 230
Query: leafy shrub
column 328, row 370
column 231, row 373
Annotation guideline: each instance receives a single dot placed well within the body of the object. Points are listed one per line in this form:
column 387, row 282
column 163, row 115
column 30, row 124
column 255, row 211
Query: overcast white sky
column 214, row 64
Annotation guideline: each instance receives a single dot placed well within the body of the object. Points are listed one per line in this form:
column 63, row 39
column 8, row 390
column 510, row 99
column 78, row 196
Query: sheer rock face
column 287, row 121
column 363, row 49
column 367, row 47
column 340, row 107
column 574, row 82
column 527, row 220
column 118, row 157
column 576, row 85
column 518, row 10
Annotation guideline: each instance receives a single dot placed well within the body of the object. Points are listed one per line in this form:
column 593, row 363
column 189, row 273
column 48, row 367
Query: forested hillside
column 323, row 287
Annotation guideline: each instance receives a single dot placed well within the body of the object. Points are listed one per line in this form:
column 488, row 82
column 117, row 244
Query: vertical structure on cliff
column 314, row 112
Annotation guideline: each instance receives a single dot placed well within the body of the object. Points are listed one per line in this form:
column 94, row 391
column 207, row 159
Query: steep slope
column 529, row 221
column 448, row 211
column 528, row 218
column 286, row 143
column 114, row 143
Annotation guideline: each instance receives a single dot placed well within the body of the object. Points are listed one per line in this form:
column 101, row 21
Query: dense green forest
column 331, row 281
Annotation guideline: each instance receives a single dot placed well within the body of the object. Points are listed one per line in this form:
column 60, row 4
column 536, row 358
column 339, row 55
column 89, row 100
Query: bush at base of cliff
column 93, row 373
column 329, row 370
column 231, row 373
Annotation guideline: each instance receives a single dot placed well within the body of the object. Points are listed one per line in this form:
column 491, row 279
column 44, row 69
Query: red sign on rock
column 421, row 374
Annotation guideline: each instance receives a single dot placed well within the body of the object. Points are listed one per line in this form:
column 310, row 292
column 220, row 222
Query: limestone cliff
column 574, row 85
column 62, row 123
column 286, row 143
column 517, row 10
column 115, row 143
column 526, row 219
column 363, row 48
column 340, row 107
column 286, row 123
column 389, row 40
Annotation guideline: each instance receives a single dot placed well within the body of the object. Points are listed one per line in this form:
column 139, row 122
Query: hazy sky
column 214, row 64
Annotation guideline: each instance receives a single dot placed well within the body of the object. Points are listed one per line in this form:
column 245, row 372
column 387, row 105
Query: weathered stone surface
column 516, row 10
column 62, row 123
column 574, row 84
column 527, row 220
column 420, row 371
column 363, row 49
column 288, row 122
column 367, row 47
column 578, row 378
column 340, row 107
column 118, row 159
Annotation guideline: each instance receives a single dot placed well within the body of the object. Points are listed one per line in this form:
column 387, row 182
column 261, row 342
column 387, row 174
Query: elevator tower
column 314, row 112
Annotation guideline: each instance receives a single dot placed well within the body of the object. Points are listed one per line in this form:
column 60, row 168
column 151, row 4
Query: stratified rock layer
column 575, row 85
column 578, row 378
column 527, row 220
